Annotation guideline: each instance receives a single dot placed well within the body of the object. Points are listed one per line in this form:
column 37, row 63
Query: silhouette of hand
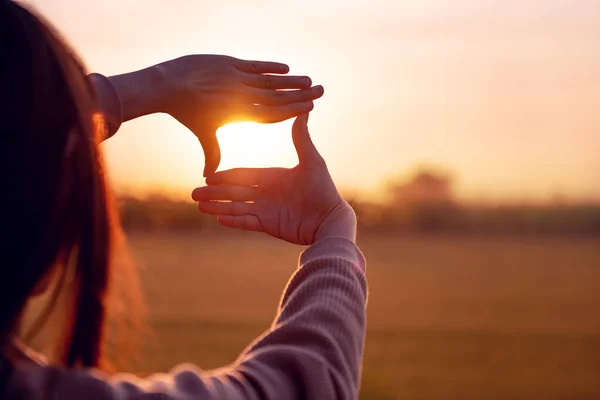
column 209, row 91
column 300, row 205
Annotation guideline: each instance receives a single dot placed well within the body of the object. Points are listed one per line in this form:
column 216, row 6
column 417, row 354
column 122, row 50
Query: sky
column 505, row 95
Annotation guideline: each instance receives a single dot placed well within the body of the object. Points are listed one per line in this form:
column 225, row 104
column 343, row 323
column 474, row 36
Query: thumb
column 212, row 153
column 305, row 148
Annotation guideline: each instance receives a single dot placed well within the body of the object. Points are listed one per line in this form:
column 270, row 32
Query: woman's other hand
column 205, row 92
column 300, row 205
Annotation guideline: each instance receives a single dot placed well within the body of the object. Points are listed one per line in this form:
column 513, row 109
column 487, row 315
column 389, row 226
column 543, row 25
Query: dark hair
column 55, row 205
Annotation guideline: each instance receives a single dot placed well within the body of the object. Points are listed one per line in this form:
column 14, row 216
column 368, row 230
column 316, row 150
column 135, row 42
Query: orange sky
column 504, row 94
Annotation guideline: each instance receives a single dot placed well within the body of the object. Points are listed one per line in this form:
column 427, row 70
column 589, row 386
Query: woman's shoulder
column 34, row 380
column 33, row 377
column 30, row 380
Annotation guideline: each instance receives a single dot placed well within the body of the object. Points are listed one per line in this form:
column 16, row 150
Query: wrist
column 341, row 222
column 141, row 92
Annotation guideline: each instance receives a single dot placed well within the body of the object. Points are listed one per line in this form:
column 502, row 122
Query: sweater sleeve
column 312, row 351
column 109, row 102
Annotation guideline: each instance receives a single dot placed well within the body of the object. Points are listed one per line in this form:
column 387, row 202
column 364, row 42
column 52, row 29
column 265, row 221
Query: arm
column 313, row 350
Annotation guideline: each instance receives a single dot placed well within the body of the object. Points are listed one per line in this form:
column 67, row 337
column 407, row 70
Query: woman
column 59, row 221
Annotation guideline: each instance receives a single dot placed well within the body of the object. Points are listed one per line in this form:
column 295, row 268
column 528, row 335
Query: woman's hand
column 204, row 92
column 300, row 205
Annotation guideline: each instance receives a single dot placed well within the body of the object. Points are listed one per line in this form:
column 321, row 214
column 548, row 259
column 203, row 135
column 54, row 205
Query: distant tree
column 426, row 202
column 159, row 213
column 425, row 187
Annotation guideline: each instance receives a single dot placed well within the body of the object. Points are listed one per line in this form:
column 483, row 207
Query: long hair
column 54, row 199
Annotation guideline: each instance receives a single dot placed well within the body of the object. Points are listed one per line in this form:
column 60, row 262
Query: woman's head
column 54, row 200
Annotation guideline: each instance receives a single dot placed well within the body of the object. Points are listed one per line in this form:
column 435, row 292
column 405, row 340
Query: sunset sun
column 249, row 144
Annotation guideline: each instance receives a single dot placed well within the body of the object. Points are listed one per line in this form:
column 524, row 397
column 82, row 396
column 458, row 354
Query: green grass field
column 448, row 318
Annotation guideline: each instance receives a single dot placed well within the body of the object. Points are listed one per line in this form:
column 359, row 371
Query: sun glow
column 248, row 144
column 505, row 107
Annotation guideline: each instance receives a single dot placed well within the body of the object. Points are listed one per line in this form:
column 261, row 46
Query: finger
column 226, row 207
column 271, row 114
column 245, row 222
column 261, row 67
column 244, row 176
column 284, row 97
column 307, row 152
column 276, row 81
column 224, row 192
column 212, row 153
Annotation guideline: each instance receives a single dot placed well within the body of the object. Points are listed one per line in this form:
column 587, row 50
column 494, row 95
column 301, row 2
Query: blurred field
column 449, row 318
